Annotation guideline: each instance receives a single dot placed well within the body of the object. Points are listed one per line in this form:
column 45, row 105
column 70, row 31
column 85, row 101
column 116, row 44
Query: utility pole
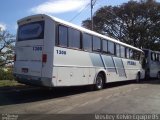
column 91, row 15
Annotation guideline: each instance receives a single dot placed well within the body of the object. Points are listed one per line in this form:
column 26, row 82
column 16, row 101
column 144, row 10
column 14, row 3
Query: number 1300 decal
column 61, row 52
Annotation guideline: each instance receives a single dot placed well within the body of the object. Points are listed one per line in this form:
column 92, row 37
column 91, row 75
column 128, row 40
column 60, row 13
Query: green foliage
column 135, row 23
column 6, row 74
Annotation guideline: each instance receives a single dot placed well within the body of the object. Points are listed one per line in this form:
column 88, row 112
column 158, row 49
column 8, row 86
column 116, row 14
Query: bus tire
column 99, row 83
column 138, row 78
column 158, row 75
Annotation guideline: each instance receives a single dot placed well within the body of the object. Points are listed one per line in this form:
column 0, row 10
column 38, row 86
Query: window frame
column 113, row 48
column 58, row 37
column 70, row 28
column 83, row 42
column 93, row 44
column 104, row 40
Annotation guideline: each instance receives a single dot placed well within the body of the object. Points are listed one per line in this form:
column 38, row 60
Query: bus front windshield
column 31, row 31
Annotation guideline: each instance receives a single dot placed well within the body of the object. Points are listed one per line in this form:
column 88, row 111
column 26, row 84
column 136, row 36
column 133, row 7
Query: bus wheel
column 158, row 75
column 99, row 82
column 138, row 78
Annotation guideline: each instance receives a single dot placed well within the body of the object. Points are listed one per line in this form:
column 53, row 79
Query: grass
column 8, row 83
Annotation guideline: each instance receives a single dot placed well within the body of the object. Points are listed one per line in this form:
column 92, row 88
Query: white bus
column 54, row 53
column 152, row 64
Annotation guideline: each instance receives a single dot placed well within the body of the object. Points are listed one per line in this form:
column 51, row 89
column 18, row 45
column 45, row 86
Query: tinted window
column 153, row 56
column 87, row 42
column 96, row 44
column 62, row 35
column 127, row 53
column 74, row 38
column 110, row 47
column 117, row 50
column 157, row 57
column 105, row 46
column 122, row 51
column 31, row 31
column 131, row 56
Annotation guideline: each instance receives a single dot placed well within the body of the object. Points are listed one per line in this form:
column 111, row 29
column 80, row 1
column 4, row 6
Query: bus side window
column 131, row 56
column 127, row 53
column 62, row 35
column 104, row 46
column 122, row 51
column 86, row 42
column 118, row 50
column 96, row 44
column 111, row 48
column 74, row 38
column 152, row 56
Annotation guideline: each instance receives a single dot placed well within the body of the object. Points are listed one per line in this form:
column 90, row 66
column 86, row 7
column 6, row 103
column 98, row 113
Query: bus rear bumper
column 34, row 81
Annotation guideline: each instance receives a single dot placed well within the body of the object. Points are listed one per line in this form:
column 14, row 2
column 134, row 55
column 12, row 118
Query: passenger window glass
column 96, row 44
column 74, row 38
column 117, row 50
column 127, row 53
column 122, row 51
column 62, row 35
column 105, row 46
column 131, row 56
column 87, row 42
column 152, row 56
column 111, row 48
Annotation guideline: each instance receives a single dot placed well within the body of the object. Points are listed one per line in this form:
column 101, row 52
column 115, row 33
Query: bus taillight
column 44, row 58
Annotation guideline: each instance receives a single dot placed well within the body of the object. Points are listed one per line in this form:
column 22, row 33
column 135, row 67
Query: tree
column 135, row 23
column 7, row 41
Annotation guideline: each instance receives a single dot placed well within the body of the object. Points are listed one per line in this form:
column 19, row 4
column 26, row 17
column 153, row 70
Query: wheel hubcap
column 99, row 82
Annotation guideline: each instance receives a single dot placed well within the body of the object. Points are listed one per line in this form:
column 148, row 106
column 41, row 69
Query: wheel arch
column 103, row 72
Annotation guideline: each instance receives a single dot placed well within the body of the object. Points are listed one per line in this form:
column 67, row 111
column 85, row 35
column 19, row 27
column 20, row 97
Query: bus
column 54, row 53
column 152, row 64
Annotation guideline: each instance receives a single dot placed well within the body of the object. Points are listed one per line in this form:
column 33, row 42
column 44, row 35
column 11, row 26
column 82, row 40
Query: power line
column 79, row 12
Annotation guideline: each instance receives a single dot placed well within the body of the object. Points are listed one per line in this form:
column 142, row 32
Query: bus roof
column 78, row 28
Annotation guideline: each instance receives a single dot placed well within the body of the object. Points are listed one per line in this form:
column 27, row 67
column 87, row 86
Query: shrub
column 6, row 74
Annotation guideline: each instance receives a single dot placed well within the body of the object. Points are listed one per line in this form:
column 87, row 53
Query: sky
column 13, row 10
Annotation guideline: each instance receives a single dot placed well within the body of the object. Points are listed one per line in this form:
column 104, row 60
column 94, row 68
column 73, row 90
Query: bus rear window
column 31, row 31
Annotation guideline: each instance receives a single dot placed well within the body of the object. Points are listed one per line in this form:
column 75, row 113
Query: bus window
column 105, row 46
column 87, row 42
column 131, row 56
column 74, row 38
column 157, row 57
column 31, row 31
column 111, row 48
column 62, row 35
column 152, row 56
column 96, row 44
column 127, row 53
column 117, row 50
column 122, row 51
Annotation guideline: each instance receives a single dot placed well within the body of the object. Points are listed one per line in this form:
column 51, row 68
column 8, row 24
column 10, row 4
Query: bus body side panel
column 132, row 67
column 49, row 42
column 74, row 67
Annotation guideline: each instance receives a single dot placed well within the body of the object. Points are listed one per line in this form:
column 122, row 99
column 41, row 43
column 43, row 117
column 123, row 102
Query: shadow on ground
column 26, row 94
